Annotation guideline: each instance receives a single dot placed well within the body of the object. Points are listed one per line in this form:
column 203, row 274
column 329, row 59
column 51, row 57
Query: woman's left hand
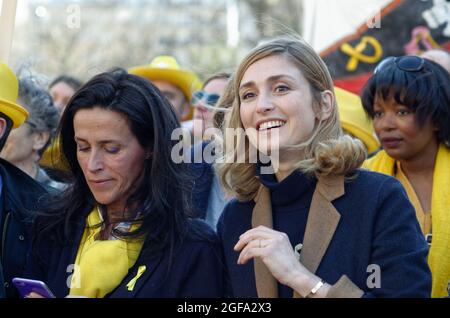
column 277, row 253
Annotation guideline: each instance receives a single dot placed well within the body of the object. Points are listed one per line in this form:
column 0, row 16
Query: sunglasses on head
column 208, row 99
column 407, row 63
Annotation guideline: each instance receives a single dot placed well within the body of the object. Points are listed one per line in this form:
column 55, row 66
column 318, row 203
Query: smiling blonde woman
column 318, row 226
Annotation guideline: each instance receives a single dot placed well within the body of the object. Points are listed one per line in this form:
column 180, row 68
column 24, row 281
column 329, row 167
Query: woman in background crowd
column 208, row 196
column 408, row 98
column 26, row 144
column 204, row 102
column 62, row 89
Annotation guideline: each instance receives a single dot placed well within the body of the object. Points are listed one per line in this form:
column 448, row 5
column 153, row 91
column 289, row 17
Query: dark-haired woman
column 121, row 229
column 409, row 100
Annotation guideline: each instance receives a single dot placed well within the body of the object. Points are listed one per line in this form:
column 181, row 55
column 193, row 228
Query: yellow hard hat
column 354, row 120
column 166, row 68
column 9, row 90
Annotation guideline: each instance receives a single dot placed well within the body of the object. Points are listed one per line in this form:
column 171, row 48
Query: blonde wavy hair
column 327, row 151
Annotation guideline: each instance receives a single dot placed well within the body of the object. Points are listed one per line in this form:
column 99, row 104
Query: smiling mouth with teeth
column 271, row 124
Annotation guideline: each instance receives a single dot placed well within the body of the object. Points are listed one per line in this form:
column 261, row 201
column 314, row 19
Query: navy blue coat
column 197, row 268
column 377, row 226
column 202, row 176
column 19, row 200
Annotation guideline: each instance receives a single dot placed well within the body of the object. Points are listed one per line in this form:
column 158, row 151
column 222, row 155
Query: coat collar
column 322, row 222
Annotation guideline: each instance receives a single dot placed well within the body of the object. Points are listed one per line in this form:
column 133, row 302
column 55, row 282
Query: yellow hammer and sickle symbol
column 356, row 53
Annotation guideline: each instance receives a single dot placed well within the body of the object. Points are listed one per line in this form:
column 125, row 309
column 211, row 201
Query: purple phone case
column 26, row 286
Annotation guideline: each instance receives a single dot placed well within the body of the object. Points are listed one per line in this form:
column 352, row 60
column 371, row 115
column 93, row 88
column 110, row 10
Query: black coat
column 202, row 174
column 20, row 198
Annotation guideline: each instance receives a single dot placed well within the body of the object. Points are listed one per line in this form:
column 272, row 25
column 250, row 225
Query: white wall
column 327, row 21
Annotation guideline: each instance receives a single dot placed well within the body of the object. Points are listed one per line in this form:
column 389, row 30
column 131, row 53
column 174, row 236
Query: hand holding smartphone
column 27, row 286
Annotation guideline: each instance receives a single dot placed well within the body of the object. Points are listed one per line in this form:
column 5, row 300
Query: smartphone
column 26, row 286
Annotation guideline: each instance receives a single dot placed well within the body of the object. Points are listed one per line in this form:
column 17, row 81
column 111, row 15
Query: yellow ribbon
column 421, row 35
column 131, row 283
column 356, row 52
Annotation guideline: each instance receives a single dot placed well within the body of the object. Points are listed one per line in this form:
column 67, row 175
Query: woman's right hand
column 276, row 252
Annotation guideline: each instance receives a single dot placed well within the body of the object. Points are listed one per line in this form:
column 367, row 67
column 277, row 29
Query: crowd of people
column 352, row 198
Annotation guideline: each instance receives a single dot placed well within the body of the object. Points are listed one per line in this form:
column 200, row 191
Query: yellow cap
column 166, row 68
column 354, row 120
column 9, row 90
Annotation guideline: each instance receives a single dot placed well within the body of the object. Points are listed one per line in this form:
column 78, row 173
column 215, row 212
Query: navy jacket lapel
column 151, row 264
column 63, row 262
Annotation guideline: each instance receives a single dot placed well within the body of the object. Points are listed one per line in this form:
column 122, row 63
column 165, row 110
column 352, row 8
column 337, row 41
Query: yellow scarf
column 101, row 266
column 439, row 255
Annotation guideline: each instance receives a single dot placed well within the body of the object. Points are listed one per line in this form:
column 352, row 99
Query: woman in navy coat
column 306, row 222
column 121, row 229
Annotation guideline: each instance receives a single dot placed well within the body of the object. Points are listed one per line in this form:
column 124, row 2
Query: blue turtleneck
column 291, row 199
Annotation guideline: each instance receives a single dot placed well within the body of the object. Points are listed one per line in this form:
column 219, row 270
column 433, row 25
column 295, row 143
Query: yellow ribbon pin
column 131, row 283
column 356, row 52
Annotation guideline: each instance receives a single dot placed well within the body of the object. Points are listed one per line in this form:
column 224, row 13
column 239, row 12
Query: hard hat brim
column 17, row 113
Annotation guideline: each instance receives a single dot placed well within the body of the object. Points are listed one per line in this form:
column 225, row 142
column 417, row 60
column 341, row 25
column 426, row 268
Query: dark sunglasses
column 208, row 99
column 407, row 63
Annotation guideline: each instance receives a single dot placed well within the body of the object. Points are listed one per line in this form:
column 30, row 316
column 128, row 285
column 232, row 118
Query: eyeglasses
column 408, row 63
column 208, row 99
